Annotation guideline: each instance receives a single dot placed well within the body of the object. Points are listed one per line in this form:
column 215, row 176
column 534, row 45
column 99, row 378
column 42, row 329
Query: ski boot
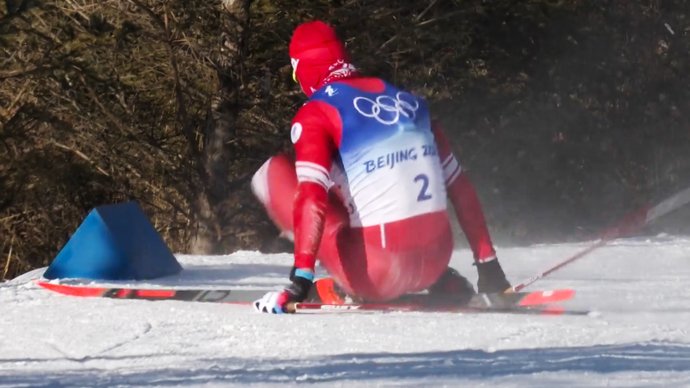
column 452, row 285
column 325, row 290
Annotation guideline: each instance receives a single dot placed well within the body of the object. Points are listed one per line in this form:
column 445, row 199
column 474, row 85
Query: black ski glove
column 491, row 277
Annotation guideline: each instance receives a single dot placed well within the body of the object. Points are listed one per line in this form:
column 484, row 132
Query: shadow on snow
column 363, row 367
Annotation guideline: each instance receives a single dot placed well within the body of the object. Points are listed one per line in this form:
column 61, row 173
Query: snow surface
column 641, row 337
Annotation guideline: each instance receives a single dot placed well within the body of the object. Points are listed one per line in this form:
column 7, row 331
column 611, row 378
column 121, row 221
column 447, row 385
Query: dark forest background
column 566, row 114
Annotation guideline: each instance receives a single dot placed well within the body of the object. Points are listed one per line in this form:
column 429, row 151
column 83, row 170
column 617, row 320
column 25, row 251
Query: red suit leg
column 383, row 262
column 376, row 262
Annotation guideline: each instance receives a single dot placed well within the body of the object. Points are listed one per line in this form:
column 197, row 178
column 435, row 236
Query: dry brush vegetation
column 568, row 113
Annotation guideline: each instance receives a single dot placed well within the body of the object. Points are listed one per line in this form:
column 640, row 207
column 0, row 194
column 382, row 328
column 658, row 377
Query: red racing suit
column 370, row 181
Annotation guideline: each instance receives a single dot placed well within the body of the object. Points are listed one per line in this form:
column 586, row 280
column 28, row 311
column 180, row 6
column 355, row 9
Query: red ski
column 535, row 302
column 308, row 307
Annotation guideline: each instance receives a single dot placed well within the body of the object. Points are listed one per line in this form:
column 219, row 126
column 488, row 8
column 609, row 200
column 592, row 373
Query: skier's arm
column 314, row 150
column 312, row 133
column 465, row 201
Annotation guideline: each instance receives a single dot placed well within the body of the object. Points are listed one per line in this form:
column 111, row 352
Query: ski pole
column 627, row 225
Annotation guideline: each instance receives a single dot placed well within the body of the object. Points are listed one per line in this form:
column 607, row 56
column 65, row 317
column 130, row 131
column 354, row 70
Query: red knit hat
column 315, row 53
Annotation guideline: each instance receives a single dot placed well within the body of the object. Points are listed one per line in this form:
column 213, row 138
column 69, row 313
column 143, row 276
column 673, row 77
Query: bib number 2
column 424, row 190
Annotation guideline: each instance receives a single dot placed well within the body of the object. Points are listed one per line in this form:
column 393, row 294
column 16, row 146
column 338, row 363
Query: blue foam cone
column 114, row 242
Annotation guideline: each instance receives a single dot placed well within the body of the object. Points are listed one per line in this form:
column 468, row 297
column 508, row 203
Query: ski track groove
column 147, row 328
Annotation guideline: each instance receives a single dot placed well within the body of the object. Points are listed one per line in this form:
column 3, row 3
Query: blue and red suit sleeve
column 315, row 134
column 465, row 201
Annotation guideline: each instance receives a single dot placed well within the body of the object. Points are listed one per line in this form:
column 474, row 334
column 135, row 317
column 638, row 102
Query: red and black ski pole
column 631, row 223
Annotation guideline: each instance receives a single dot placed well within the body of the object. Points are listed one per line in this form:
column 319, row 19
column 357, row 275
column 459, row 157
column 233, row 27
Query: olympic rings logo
column 386, row 109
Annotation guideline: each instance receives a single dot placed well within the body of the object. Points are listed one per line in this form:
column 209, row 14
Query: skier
column 369, row 183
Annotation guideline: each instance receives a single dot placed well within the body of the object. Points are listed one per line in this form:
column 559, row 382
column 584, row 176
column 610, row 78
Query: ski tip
column 70, row 290
column 548, row 296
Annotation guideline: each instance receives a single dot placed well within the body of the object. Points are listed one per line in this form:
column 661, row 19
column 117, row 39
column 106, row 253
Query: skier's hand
column 273, row 302
column 276, row 302
column 491, row 277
